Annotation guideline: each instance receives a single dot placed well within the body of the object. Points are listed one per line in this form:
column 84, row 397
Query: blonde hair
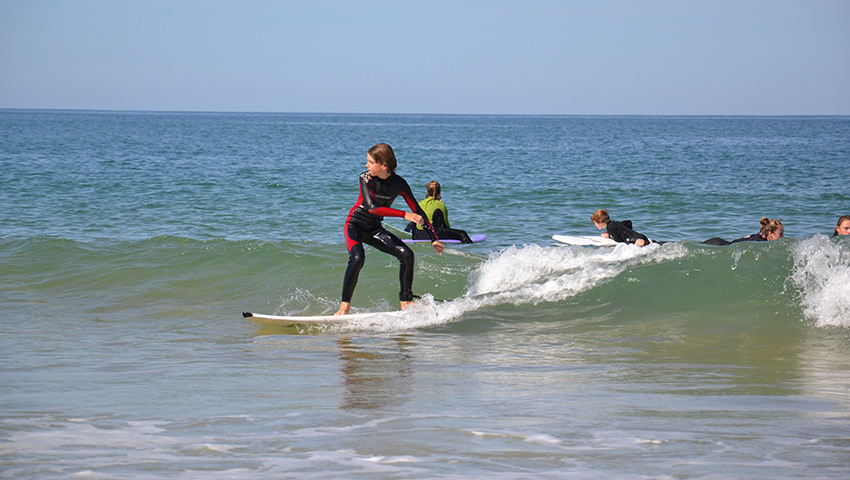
column 770, row 226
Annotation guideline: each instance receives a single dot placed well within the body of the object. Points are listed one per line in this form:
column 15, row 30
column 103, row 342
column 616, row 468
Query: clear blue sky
column 653, row 57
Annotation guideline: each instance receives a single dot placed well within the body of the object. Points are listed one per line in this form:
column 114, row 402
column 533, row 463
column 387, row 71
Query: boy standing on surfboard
column 379, row 187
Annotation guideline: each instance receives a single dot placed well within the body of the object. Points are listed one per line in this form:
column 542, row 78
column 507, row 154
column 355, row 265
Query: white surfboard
column 307, row 320
column 584, row 240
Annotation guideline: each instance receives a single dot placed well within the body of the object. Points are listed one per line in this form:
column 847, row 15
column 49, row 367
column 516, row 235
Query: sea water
column 130, row 243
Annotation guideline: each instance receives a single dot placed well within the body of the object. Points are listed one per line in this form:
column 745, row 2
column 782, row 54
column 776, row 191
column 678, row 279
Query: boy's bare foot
column 344, row 309
column 404, row 305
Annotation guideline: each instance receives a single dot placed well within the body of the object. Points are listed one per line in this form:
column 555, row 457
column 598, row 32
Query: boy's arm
column 371, row 205
column 621, row 233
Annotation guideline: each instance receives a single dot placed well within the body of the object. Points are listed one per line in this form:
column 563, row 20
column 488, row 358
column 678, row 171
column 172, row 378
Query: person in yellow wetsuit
column 438, row 215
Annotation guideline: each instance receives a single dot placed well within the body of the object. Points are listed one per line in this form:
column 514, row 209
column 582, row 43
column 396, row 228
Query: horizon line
column 238, row 112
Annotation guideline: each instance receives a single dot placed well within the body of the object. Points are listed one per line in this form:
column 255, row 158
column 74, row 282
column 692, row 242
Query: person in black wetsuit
column 617, row 231
column 770, row 230
column 379, row 187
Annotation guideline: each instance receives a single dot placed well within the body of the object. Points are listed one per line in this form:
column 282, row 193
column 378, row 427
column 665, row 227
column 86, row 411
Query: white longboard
column 584, row 240
column 307, row 320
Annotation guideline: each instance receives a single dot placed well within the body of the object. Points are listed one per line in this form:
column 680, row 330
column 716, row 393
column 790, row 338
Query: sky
column 529, row 57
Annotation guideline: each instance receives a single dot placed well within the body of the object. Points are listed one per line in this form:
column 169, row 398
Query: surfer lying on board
column 617, row 231
column 843, row 226
column 770, row 230
column 438, row 215
column 379, row 186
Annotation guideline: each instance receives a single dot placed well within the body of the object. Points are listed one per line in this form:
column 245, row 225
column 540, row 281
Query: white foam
column 531, row 274
column 543, row 439
column 822, row 273
column 213, row 447
column 523, row 275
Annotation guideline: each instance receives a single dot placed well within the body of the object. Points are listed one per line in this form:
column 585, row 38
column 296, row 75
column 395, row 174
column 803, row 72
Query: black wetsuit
column 363, row 225
column 622, row 232
column 756, row 237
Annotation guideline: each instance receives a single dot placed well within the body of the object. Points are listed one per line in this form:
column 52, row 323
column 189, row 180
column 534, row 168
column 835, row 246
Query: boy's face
column 599, row 225
column 376, row 169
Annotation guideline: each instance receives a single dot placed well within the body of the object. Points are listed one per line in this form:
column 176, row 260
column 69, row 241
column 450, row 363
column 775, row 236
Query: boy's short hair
column 600, row 216
column 383, row 154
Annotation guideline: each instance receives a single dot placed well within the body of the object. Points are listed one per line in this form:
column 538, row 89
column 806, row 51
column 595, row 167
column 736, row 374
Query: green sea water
column 130, row 243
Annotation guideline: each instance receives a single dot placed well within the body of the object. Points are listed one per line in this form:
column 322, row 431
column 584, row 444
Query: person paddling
column 770, row 230
column 617, row 231
column 379, row 187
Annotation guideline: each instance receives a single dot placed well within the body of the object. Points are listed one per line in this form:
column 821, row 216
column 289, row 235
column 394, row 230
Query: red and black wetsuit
column 363, row 225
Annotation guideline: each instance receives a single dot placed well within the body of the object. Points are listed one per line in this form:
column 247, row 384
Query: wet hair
column 433, row 189
column 842, row 219
column 770, row 226
column 600, row 216
column 383, row 154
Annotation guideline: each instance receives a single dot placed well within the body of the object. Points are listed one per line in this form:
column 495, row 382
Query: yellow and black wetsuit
column 439, row 217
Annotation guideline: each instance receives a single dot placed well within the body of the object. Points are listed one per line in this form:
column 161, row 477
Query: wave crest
column 822, row 273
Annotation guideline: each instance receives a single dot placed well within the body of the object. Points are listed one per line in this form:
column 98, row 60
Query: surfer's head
column 771, row 229
column 433, row 189
column 383, row 155
column 600, row 216
column 843, row 226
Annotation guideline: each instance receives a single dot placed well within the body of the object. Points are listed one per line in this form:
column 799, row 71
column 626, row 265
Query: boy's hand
column 413, row 217
column 438, row 247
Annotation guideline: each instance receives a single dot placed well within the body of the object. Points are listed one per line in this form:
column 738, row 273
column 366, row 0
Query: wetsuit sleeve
column 438, row 220
column 621, row 233
column 445, row 211
column 407, row 194
column 756, row 237
column 371, row 205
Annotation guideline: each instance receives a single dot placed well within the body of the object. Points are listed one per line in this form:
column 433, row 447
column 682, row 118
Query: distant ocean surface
column 130, row 243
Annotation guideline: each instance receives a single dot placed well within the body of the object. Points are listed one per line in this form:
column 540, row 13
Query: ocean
column 131, row 242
